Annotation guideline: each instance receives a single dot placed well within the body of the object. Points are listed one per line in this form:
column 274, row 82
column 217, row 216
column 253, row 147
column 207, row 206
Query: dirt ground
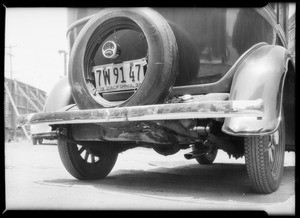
column 141, row 180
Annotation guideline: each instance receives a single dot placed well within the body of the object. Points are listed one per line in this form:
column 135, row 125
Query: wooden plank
column 6, row 105
column 25, row 132
column 15, row 109
column 42, row 97
column 28, row 99
column 7, row 112
column 11, row 100
column 15, row 88
column 36, row 93
column 15, row 100
column 36, row 98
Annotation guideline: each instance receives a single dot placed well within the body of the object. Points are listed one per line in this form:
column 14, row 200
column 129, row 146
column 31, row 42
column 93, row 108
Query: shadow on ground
column 48, row 143
column 218, row 182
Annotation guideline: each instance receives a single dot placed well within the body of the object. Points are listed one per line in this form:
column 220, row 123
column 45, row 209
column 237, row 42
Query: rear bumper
column 174, row 111
column 46, row 135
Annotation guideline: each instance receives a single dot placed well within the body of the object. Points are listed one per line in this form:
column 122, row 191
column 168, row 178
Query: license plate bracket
column 128, row 75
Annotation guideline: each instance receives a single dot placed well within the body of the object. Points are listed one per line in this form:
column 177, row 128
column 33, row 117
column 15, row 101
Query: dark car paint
column 276, row 58
column 208, row 37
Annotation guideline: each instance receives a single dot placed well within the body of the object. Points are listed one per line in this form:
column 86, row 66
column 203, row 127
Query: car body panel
column 59, row 96
column 237, row 51
column 211, row 52
column 260, row 76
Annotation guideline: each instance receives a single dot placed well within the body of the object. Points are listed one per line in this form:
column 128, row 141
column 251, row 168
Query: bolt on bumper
column 174, row 111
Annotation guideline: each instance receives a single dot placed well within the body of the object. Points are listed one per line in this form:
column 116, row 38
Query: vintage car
column 201, row 79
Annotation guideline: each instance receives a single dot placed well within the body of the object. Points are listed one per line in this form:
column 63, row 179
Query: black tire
column 34, row 141
column 264, row 156
column 102, row 160
column 208, row 158
column 162, row 56
column 40, row 141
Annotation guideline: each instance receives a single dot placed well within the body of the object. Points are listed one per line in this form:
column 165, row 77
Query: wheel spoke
column 275, row 138
column 93, row 158
column 81, row 150
column 86, row 156
column 274, row 151
column 270, row 154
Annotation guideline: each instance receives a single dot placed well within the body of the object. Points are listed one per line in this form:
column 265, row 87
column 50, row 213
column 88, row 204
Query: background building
column 20, row 98
column 291, row 35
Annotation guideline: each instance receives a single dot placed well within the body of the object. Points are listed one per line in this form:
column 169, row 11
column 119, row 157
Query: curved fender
column 260, row 76
column 60, row 96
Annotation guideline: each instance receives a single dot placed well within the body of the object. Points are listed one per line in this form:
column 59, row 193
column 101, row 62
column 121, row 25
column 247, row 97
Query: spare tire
column 161, row 55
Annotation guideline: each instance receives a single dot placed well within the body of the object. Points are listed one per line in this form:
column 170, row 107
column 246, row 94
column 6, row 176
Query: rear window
column 219, row 37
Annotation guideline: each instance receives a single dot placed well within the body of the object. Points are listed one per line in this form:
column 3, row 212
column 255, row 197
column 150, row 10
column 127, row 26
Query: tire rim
column 87, row 155
column 114, row 30
column 275, row 153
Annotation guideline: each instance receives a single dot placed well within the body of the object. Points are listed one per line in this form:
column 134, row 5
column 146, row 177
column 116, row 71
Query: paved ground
column 140, row 180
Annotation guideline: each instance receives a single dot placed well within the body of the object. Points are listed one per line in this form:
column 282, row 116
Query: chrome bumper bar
column 51, row 134
column 174, row 111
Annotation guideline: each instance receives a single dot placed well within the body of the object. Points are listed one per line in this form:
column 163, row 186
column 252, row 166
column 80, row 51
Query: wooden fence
column 291, row 36
column 20, row 98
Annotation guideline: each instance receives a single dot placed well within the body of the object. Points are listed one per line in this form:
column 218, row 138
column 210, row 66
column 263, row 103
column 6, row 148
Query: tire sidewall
column 259, row 166
column 79, row 168
column 162, row 65
column 92, row 168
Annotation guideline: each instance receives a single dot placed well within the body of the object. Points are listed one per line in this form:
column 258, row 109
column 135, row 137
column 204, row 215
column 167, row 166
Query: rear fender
column 59, row 97
column 260, row 76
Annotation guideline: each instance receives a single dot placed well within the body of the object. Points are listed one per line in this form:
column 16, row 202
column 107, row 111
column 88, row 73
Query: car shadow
column 48, row 143
column 217, row 182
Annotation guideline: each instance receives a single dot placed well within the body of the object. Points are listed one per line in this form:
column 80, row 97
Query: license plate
column 115, row 77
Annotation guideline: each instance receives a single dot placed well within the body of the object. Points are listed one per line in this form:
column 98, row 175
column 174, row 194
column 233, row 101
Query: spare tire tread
column 163, row 61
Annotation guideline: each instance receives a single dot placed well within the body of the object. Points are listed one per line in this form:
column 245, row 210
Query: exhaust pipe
column 196, row 153
column 191, row 155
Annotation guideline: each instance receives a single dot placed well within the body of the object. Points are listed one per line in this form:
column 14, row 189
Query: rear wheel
column 85, row 163
column 264, row 157
column 208, row 158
